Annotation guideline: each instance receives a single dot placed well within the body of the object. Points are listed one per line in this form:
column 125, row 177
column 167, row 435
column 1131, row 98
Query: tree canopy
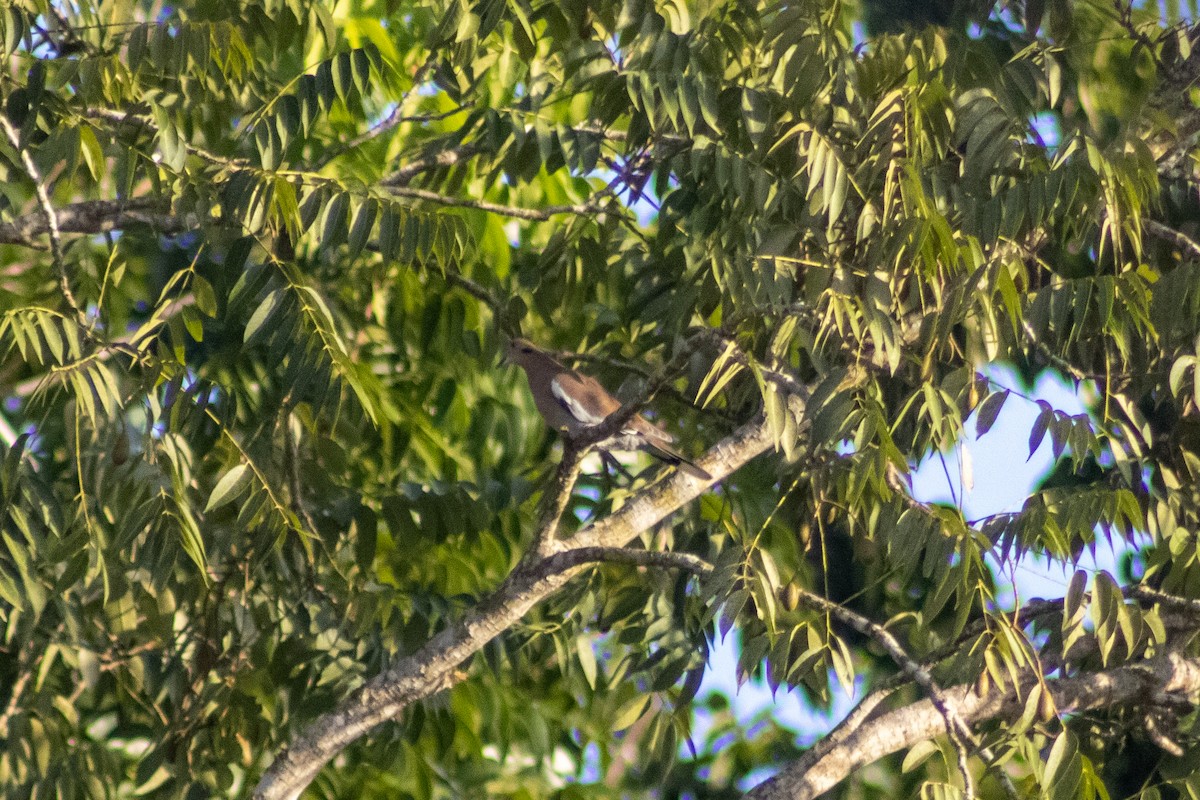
column 275, row 520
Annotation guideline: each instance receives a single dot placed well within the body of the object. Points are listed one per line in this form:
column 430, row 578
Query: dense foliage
column 259, row 260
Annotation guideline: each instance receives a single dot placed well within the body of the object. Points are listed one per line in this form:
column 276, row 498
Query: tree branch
column 436, row 665
column 654, row 559
column 956, row 728
column 1181, row 241
column 443, row 158
column 533, row 214
column 555, row 502
column 50, row 218
column 146, row 122
column 388, row 123
column 1186, row 612
column 97, row 216
column 897, row 730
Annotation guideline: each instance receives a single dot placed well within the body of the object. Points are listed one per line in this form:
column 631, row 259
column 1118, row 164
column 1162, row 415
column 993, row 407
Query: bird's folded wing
column 582, row 398
column 589, row 403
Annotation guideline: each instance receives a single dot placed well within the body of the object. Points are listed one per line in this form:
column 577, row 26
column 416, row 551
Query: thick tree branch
column 1169, row 674
column 1182, row 605
column 436, row 665
column 1182, row 615
column 97, row 216
column 956, row 728
column 654, row 559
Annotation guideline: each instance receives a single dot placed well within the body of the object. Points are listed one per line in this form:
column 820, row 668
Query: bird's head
column 520, row 352
column 530, row 357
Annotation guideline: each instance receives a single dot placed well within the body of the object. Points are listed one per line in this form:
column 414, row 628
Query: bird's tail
column 676, row 459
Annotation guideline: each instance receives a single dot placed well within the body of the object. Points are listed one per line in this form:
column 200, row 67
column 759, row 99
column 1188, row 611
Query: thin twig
column 476, row 290
column 147, row 122
column 960, row 734
column 39, row 186
column 442, row 158
column 533, row 214
column 392, row 120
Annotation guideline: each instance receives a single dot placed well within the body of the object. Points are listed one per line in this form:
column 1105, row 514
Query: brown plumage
column 570, row 401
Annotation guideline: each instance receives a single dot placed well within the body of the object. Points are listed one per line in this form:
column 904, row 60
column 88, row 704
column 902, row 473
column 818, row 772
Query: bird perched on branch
column 572, row 402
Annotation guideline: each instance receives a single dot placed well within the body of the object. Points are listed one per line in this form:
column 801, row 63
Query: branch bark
column 1170, row 674
column 436, row 665
column 97, row 216
column 49, row 215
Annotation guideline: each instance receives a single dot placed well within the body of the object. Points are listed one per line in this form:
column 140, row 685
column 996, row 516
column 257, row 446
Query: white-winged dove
column 572, row 402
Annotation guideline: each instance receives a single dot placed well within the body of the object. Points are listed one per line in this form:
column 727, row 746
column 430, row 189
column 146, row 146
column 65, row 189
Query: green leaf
column 630, row 713
column 343, row 75
column 389, row 232
column 364, row 222
column 288, row 122
column 93, row 155
column 230, row 486
column 361, row 67
column 324, row 84
column 584, row 647
column 918, row 754
column 335, row 220
column 206, row 298
column 366, row 538
column 256, row 326
column 193, row 541
column 14, row 28
column 723, row 370
column 1064, row 770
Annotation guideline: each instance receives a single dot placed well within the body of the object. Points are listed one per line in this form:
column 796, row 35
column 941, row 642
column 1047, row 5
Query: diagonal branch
column 1169, row 674
column 436, row 665
column 51, row 218
column 1185, row 243
column 956, row 728
column 388, row 123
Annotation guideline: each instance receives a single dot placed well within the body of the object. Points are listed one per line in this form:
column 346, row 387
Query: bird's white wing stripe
column 573, row 406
